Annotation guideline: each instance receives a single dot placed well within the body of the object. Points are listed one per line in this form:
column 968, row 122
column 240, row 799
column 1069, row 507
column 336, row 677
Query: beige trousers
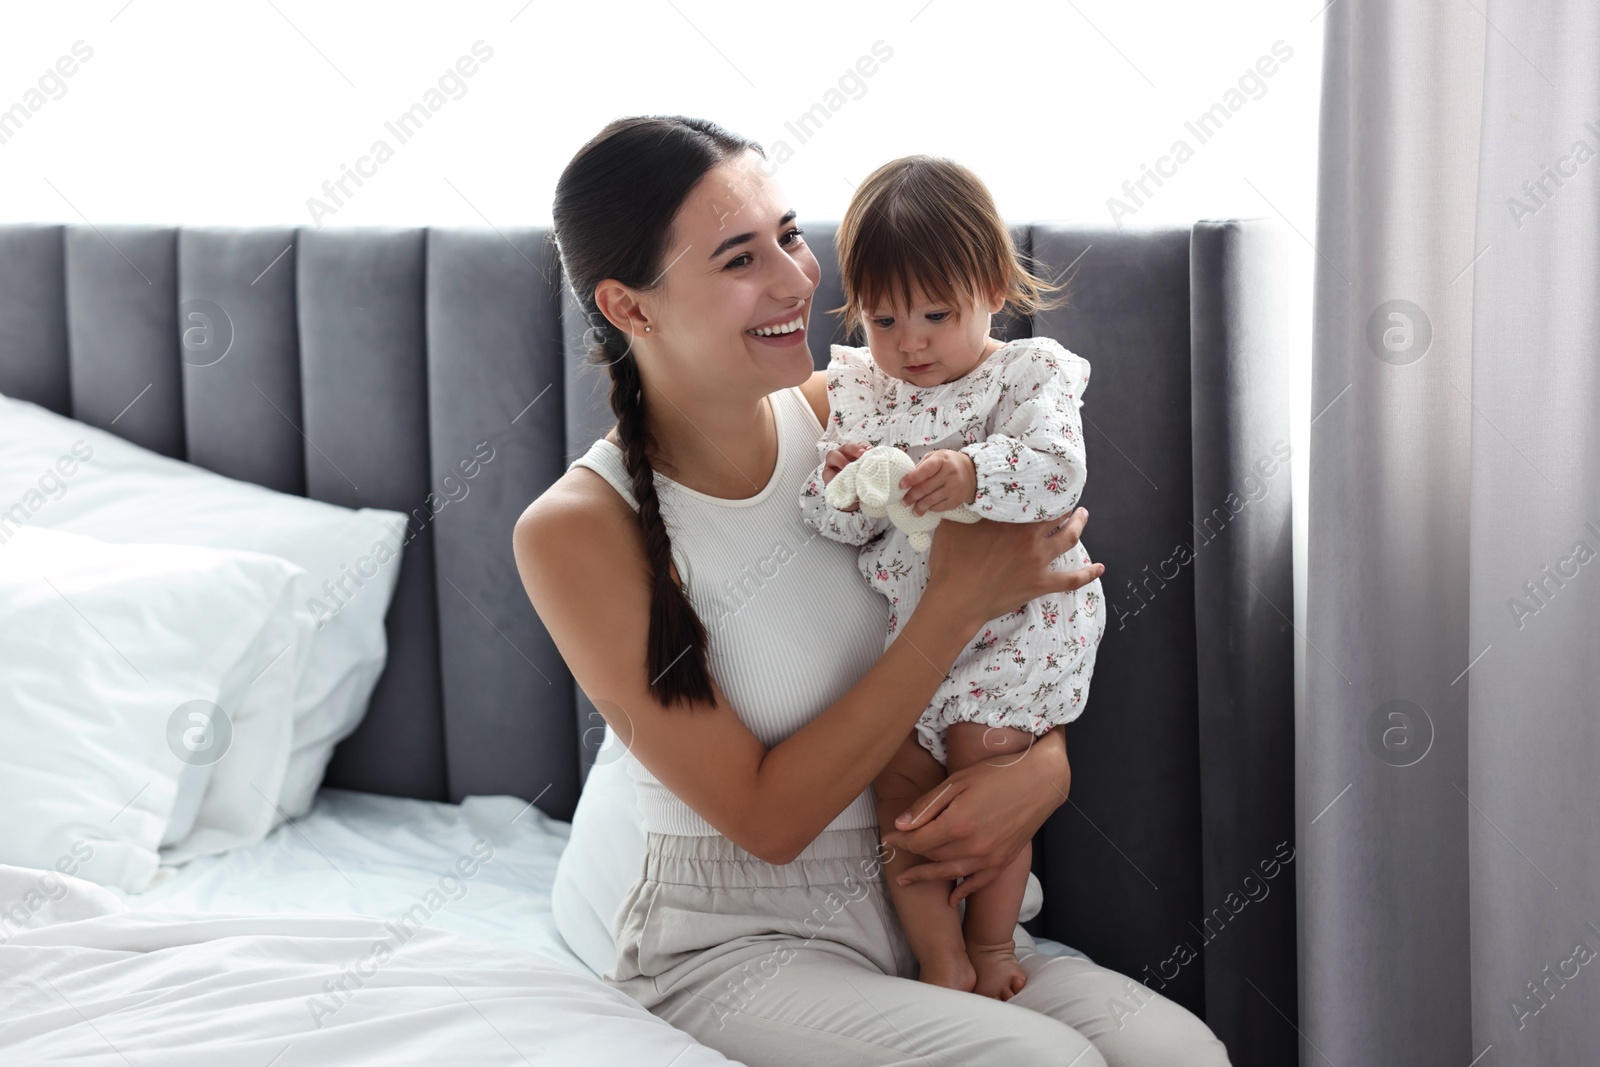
column 806, row 963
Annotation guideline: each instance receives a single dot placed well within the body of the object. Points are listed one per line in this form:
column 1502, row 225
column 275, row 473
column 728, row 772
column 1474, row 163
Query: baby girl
column 925, row 261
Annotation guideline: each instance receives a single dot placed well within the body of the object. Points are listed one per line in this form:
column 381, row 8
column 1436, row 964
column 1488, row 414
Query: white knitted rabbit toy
column 874, row 480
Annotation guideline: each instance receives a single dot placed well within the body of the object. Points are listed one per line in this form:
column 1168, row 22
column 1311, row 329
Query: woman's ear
column 620, row 306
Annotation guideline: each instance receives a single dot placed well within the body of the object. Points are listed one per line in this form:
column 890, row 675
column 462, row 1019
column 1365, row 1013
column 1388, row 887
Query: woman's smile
column 784, row 332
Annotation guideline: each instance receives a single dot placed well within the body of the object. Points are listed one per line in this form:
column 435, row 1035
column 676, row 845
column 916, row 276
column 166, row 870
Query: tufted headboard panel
column 363, row 366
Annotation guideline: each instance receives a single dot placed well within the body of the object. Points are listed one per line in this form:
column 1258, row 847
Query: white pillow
column 186, row 805
column 61, row 474
column 116, row 659
column 605, row 856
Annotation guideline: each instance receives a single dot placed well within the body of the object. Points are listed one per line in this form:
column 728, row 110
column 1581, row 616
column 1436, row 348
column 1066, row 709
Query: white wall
column 236, row 113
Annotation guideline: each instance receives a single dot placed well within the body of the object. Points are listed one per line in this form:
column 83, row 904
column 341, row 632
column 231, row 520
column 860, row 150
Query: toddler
column 925, row 261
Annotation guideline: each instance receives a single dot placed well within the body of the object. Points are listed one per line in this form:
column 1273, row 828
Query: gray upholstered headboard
column 366, row 364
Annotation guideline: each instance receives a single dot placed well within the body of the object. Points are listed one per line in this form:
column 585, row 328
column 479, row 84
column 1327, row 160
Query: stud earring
column 647, row 329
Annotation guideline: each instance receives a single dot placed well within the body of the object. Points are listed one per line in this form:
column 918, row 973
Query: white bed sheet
column 92, row 983
column 378, row 855
column 387, row 857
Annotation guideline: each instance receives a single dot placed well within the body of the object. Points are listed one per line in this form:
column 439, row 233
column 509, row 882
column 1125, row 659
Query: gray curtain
column 1448, row 741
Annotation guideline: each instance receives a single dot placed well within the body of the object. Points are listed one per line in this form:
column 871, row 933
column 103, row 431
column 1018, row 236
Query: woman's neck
column 722, row 449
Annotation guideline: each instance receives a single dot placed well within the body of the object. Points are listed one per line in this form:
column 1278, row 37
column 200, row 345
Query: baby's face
column 930, row 343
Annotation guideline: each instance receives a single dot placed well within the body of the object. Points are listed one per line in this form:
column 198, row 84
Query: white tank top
column 790, row 624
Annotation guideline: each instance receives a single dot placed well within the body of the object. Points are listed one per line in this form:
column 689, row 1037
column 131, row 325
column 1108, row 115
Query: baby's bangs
column 888, row 274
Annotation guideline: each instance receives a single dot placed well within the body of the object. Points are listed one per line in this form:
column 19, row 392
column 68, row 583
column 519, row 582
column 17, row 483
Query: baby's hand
column 839, row 458
column 943, row 481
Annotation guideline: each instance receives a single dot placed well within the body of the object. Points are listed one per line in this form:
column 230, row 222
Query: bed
column 265, row 954
column 378, row 861
column 375, row 855
column 358, row 367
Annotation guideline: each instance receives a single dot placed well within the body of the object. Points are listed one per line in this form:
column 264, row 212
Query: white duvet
column 88, row 981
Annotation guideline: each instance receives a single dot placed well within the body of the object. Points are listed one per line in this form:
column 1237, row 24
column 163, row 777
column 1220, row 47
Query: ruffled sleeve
column 851, row 401
column 853, row 389
column 1032, row 464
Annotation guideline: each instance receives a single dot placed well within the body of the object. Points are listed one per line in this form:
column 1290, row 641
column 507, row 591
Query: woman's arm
column 582, row 562
column 973, row 823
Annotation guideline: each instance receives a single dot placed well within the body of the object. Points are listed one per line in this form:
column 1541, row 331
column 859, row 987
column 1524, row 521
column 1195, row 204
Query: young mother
column 741, row 658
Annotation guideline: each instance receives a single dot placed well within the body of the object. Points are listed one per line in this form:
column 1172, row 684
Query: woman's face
column 730, row 314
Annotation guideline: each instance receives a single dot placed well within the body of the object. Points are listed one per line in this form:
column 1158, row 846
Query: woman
column 740, row 657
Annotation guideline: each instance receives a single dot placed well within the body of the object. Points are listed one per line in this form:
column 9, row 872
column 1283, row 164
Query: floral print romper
column 1016, row 416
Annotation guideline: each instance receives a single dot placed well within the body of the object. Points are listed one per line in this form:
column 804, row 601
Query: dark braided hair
column 613, row 213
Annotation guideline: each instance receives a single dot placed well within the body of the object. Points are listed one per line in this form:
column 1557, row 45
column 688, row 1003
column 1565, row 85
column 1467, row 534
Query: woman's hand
column 977, row 820
column 987, row 569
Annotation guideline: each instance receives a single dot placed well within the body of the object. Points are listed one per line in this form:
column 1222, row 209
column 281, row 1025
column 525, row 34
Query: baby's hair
column 925, row 222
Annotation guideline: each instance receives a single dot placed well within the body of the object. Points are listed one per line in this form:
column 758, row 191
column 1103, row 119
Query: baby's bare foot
column 951, row 969
column 999, row 975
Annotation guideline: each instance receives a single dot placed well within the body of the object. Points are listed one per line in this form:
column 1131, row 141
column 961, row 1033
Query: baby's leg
column 992, row 911
column 932, row 926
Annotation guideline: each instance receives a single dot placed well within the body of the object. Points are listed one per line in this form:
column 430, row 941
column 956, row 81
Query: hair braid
column 677, row 644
